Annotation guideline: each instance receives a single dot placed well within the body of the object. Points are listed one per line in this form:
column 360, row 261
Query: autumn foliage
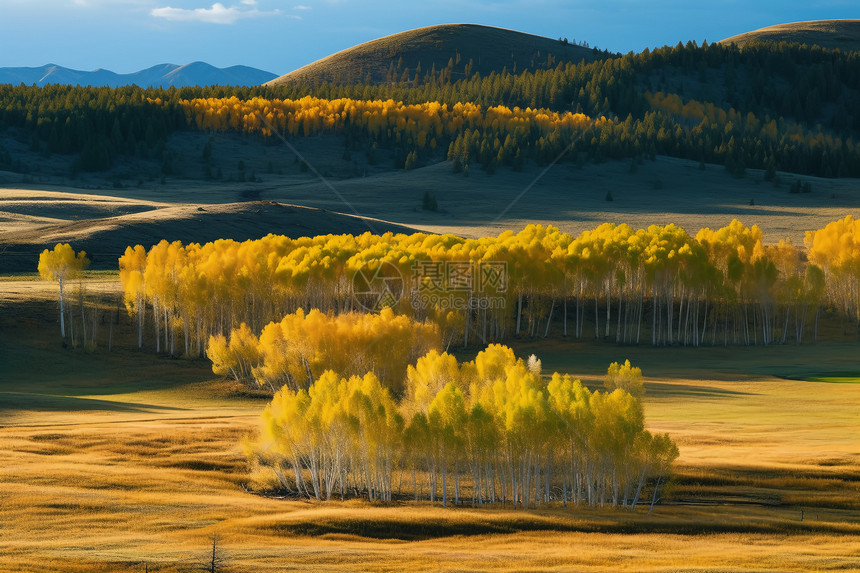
column 466, row 131
column 297, row 350
column 657, row 285
column 836, row 250
column 492, row 430
column 62, row 264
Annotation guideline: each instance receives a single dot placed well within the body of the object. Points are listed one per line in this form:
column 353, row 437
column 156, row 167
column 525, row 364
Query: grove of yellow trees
column 836, row 250
column 613, row 282
column 491, row 430
column 297, row 350
column 499, row 132
column 492, row 135
column 311, row 115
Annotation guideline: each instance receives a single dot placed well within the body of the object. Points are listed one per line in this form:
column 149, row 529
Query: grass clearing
column 836, row 379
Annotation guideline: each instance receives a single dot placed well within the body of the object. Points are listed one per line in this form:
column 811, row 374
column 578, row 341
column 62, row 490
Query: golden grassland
column 123, row 461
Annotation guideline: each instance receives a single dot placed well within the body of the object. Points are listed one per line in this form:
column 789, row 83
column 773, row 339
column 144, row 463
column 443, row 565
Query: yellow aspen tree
column 447, row 418
column 377, row 436
column 426, row 378
column 132, row 266
column 625, row 377
column 238, row 357
column 62, row 264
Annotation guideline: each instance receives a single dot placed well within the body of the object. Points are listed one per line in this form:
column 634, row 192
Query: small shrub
column 429, row 202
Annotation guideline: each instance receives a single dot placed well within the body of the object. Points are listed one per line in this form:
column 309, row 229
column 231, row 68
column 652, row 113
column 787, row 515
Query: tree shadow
column 16, row 401
column 665, row 390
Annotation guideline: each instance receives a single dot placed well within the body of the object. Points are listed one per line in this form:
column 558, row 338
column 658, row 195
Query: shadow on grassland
column 16, row 401
column 664, row 390
column 379, row 527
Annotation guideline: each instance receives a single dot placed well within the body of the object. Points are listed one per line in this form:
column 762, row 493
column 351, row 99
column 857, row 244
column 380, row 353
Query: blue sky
column 128, row 35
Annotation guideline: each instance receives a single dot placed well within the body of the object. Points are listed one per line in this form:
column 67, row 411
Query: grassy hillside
column 103, row 231
column 95, row 215
column 129, row 204
column 832, row 34
column 462, row 49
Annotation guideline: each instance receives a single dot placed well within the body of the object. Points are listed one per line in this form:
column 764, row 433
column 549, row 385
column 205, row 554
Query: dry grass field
column 125, row 461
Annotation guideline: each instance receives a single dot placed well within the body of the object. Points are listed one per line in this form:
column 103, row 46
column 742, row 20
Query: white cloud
column 301, row 7
column 216, row 14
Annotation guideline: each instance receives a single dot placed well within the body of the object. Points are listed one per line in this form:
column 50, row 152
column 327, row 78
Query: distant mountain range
column 162, row 75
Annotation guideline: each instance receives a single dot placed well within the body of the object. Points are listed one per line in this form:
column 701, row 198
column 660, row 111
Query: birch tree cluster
column 836, row 250
column 657, row 285
column 297, row 350
column 491, row 430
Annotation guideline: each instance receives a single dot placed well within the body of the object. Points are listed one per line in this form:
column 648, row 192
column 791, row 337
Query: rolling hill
column 32, row 220
column 463, row 49
column 162, row 75
column 833, row 34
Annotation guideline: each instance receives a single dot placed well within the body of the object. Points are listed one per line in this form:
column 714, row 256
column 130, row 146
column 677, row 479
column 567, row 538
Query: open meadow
column 125, row 461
